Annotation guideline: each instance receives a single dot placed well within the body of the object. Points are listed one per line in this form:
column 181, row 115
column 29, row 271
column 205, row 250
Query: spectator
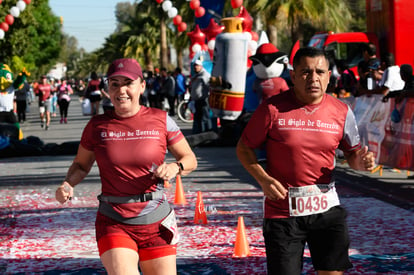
column 144, row 97
column 106, row 99
column 168, row 90
column 199, row 93
column 406, row 73
column 369, row 52
column 367, row 69
column 371, row 76
column 180, row 85
column 151, row 90
column 391, row 78
column 21, row 101
column 347, row 82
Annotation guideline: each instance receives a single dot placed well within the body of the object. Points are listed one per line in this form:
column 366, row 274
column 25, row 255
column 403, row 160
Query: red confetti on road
column 38, row 235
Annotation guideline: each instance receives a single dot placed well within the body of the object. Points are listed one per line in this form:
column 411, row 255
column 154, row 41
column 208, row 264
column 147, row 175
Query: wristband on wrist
column 180, row 167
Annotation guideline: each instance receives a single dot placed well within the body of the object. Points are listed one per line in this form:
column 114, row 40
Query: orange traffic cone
column 241, row 247
column 200, row 216
column 179, row 192
column 167, row 184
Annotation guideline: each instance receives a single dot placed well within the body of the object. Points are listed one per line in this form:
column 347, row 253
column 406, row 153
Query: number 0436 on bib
column 312, row 199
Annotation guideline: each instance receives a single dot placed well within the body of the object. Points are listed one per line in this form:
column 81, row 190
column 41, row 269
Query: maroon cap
column 127, row 67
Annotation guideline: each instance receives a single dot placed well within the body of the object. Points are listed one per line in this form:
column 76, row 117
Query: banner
column 398, row 143
column 387, row 128
column 371, row 115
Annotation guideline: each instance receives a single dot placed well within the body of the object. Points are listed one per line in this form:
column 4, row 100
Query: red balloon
column 27, row 1
column 199, row 12
column 182, row 27
column 247, row 19
column 0, row 1
column 212, row 30
column 197, row 36
column 177, row 20
column 4, row 26
column 194, row 4
column 9, row 19
column 159, row 1
column 255, row 36
column 236, row 3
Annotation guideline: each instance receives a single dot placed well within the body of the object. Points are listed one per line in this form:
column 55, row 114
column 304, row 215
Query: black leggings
column 21, row 109
column 63, row 107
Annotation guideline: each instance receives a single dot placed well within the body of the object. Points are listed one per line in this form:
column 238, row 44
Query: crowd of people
column 374, row 75
column 164, row 91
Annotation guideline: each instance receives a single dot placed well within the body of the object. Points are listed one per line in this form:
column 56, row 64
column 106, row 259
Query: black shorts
column 326, row 235
column 95, row 98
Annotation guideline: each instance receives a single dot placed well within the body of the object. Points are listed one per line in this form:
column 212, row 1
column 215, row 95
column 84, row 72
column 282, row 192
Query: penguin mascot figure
column 268, row 65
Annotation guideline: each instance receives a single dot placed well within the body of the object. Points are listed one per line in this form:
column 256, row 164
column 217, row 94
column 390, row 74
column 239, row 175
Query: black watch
column 180, row 166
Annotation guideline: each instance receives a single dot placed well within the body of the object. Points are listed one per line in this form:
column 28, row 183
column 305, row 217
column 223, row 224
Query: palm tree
column 295, row 16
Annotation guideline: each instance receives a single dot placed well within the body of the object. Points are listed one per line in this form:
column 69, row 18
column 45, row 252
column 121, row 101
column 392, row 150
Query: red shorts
column 151, row 241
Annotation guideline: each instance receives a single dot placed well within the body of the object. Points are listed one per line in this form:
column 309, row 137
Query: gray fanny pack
column 158, row 214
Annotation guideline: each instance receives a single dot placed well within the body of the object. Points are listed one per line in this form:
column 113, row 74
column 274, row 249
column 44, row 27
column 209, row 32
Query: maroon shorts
column 151, row 241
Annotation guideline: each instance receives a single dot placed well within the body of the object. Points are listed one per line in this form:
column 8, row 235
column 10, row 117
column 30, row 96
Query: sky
column 90, row 21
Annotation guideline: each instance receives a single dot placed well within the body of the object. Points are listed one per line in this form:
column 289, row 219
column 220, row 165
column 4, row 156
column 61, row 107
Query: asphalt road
column 380, row 204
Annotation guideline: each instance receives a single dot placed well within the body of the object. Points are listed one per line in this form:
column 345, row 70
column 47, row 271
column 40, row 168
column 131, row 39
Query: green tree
column 180, row 40
column 298, row 19
column 137, row 34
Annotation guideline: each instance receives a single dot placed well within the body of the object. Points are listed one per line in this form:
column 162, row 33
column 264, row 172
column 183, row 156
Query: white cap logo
column 120, row 65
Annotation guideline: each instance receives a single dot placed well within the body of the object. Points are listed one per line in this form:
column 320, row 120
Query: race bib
column 170, row 223
column 312, row 199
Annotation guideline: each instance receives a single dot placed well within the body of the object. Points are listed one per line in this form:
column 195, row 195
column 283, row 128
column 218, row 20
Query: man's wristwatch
column 180, row 167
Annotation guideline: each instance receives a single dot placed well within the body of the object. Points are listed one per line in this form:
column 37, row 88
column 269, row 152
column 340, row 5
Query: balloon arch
column 203, row 39
column 235, row 43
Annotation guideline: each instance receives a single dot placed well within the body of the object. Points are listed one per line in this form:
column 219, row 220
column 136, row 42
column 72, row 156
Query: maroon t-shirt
column 93, row 85
column 300, row 141
column 43, row 91
column 126, row 149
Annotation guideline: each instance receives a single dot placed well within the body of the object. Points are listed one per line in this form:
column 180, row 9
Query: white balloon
column 196, row 47
column 166, row 5
column 172, row 12
column 252, row 45
column 211, row 44
column 248, row 35
column 1, row 34
column 15, row 11
column 21, row 5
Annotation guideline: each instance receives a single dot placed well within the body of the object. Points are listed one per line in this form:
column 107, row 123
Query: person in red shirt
column 135, row 223
column 94, row 92
column 301, row 129
column 43, row 91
